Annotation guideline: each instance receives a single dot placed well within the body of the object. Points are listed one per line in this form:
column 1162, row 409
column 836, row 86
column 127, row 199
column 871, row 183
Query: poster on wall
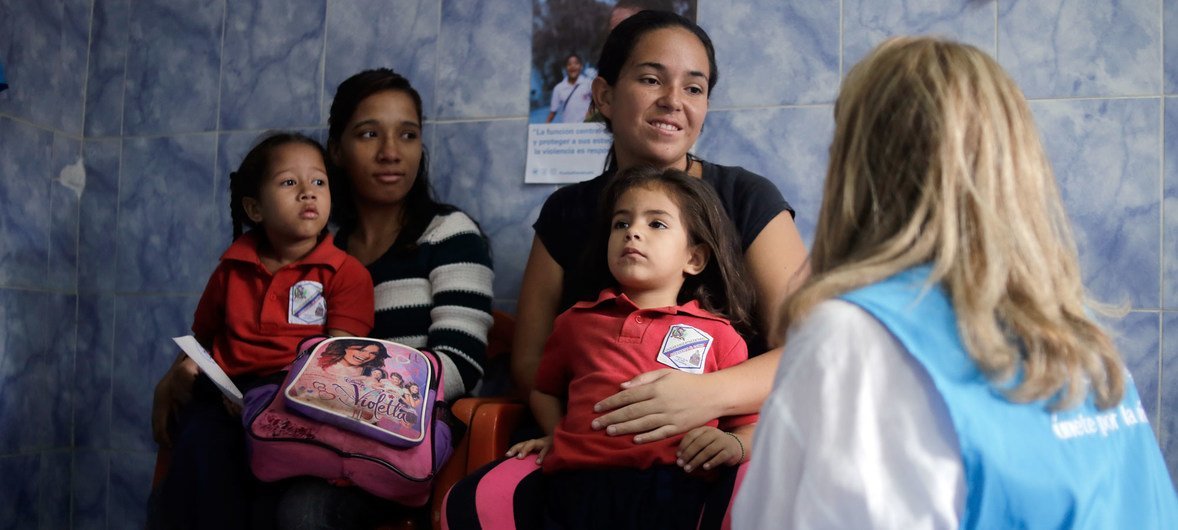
column 567, row 140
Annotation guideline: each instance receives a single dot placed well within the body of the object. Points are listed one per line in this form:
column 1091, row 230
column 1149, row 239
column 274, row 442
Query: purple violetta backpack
column 354, row 411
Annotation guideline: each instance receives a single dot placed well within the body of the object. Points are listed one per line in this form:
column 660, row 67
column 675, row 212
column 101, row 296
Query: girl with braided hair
column 278, row 283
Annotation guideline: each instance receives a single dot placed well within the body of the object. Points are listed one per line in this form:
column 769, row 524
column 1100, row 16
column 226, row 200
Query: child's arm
column 548, row 410
column 174, row 389
column 708, row 447
column 350, row 301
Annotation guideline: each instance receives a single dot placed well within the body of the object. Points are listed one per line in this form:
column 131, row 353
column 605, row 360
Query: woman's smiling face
column 658, row 105
column 358, row 355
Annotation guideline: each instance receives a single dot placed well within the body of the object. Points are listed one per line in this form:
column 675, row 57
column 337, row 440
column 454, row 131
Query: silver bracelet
column 740, row 443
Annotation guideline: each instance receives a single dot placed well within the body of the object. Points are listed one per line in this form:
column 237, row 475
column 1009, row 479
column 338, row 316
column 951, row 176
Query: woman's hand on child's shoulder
column 707, row 448
column 173, row 390
column 535, row 445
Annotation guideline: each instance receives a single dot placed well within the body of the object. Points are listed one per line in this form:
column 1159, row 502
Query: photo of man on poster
column 567, row 142
column 572, row 96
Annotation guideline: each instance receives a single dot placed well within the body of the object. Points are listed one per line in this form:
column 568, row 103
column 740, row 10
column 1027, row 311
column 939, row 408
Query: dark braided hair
column 247, row 180
column 722, row 288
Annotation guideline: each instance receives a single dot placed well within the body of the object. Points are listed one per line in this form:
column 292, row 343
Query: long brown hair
column 335, row 352
column 722, row 287
column 936, row 159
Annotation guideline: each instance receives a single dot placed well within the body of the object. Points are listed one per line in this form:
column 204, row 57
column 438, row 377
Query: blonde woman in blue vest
column 941, row 368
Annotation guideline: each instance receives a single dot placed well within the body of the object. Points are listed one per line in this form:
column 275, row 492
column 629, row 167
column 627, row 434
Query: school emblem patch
column 307, row 305
column 685, row 348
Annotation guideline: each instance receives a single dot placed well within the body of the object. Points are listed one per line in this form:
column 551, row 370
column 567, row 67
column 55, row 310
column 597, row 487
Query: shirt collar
column 611, row 295
column 245, row 249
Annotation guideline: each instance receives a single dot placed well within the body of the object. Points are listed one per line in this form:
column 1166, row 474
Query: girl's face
column 658, row 105
column 397, row 379
column 358, row 355
column 293, row 201
column 380, row 148
column 649, row 248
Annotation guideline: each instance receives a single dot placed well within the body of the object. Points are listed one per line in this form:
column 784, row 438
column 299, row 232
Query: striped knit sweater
column 438, row 298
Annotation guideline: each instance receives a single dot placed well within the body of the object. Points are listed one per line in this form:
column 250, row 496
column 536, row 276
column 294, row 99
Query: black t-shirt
column 566, row 220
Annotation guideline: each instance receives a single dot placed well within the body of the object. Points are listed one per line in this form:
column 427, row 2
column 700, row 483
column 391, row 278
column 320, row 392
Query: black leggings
column 514, row 492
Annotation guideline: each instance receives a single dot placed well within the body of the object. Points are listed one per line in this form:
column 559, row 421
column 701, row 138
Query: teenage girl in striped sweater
column 429, row 261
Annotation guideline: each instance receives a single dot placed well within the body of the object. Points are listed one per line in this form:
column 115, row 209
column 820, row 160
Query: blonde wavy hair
column 936, row 159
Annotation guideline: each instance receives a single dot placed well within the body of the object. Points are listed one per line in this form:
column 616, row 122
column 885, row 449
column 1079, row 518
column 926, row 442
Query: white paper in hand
column 207, row 365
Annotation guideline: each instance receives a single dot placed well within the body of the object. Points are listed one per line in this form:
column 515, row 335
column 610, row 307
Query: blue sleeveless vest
column 1025, row 466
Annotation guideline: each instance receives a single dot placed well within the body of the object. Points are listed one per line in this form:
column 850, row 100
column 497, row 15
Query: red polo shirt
column 255, row 320
column 595, row 346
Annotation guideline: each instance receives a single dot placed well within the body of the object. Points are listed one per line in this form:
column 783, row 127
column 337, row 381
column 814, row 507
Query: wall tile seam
column 475, row 119
column 1162, row 48
column 321, row 88
column 38, row 451
column 738, row 108
column 36, row 290
column 86, row 69
column 144, row 294
column 437, row 101
column 1100, row 98
column 218, row 132
column 44, row 128
column 75, row 396
column 221, row 66
column 1162, row 258
column 105, row 448
column 126, row 452
column 161, row 136
column 523, row 117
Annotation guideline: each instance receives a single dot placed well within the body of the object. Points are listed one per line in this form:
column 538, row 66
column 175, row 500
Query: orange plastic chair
column 489, row 422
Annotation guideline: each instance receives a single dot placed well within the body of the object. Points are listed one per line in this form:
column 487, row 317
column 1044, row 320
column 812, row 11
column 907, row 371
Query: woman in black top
column 655, row 74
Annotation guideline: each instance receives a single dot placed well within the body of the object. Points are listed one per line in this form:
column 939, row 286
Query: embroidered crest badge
column 307, row 305
column 685, row 348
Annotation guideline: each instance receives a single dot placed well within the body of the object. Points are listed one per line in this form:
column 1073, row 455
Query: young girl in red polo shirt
column 279, row 282
column 674, row 295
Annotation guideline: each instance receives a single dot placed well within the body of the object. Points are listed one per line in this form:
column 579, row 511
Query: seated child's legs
column 660, row 497
column 503, row 494
column 208, row 484
column 309, row 503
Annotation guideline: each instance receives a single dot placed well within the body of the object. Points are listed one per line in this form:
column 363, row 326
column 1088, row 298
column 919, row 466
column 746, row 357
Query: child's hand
column 232, row 408
column 537, row 445
column 708, row 447
column 173, row 390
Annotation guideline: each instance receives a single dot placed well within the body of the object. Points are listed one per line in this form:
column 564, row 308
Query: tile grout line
column 1160, row 365
column 841, row 45
column 73, row 480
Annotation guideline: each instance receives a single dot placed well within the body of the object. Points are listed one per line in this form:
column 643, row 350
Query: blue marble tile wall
column 124, row 117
